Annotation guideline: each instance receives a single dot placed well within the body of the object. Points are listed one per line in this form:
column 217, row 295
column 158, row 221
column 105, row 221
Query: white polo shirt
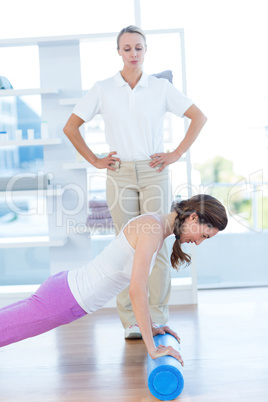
column 133, row 117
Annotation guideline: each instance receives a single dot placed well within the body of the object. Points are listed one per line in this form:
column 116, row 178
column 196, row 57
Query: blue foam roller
column 165, row 380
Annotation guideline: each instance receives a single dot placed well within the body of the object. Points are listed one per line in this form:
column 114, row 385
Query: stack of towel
column 100, row 217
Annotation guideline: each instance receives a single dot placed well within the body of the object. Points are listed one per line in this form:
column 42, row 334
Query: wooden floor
column 224, row 346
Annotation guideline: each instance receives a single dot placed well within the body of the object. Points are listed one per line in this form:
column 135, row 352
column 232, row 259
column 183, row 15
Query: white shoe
column 133, row 332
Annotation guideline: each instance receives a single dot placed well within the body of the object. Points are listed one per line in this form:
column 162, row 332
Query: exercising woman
column 127, row 260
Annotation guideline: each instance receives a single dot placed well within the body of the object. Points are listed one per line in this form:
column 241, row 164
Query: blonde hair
column 131, row 29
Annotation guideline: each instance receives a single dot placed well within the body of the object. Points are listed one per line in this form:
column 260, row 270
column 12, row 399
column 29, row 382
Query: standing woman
column 133, row 106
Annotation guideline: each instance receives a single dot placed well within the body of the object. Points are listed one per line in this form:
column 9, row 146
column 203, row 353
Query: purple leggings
column 52, row 305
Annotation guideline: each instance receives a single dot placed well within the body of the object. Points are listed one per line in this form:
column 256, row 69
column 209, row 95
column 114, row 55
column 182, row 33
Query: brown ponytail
column 209, row 211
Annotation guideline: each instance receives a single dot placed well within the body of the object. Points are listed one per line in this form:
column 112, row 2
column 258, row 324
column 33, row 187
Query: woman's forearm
column 141, row 310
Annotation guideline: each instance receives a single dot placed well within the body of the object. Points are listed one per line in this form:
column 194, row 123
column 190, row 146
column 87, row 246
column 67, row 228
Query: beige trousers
column 133, row 189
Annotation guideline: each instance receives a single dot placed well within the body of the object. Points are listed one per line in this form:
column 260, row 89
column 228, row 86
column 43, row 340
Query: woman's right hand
column 107, row 161
column 166, row 351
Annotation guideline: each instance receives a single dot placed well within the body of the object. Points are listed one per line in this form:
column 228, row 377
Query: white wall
column 233, row 259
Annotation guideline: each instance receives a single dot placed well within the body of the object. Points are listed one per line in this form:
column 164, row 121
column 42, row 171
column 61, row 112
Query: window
column 64, row 17
column 226, row 77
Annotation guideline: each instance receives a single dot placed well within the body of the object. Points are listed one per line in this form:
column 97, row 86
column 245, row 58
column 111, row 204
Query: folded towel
column 100, row 215
column 99, row 209
column 95, row 203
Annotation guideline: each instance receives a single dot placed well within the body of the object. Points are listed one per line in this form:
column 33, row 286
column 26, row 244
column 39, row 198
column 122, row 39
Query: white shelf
column 76, row 165
column 20, row 291
column 48, row 192
column 68, row 101
column 27, row 143
column 32, row 91
column 185, row 282
column 102, row 237
column 63, row 39
column 32, row 241
column 106, row 235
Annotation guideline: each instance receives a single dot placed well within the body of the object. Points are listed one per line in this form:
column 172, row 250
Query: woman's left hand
column 163, row 159
column 163, row 330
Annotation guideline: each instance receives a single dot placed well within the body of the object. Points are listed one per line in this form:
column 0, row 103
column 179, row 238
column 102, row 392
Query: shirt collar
column 120, row 82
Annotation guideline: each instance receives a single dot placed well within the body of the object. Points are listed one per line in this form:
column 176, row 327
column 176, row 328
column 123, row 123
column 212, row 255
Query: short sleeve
column 176, row 102
column 88, row 106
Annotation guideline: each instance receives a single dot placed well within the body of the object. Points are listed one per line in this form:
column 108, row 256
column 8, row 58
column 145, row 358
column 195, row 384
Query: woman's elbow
column 67, row 130
column 71, row 128
column 196, row 115
column 202, row 118
column 205, row 119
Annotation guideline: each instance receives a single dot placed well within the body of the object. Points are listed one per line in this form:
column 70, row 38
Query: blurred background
column 226, row 64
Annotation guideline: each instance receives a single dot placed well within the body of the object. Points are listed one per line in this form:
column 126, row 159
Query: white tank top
column 97, row 282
